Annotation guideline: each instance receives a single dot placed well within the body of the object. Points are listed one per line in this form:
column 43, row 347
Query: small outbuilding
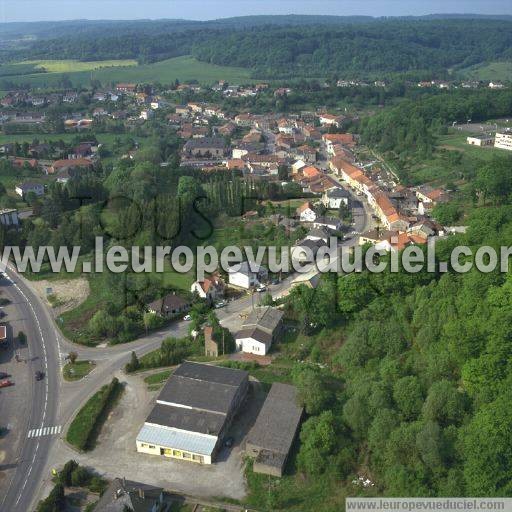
column 270, row 440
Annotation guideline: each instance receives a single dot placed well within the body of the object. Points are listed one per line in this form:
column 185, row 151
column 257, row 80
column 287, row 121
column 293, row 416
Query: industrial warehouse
column 271, row 438
column 193, row 412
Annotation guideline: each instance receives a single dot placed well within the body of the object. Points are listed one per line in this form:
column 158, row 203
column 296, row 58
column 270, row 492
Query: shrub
column 85, row 426
column 67, row 470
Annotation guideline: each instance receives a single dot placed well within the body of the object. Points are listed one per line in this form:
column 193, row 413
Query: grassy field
column 72, row 66
column 491, row 71
column 77, row 371
column 167, row 71
column 457, row 142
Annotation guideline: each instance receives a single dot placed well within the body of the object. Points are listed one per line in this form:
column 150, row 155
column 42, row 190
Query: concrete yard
column 115, row 454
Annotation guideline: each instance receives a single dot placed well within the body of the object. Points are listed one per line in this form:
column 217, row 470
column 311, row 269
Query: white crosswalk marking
column 44, row 431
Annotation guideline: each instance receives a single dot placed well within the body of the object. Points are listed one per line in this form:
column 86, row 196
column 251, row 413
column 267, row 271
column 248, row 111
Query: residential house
column 73, row 163
column 122, row 495
column 330, row 120
column 27, row 187
column 261, row 328
column 304, row 251
column 335, row 197
column 170, row 306
column 211, row 288
column 206, row 147
column 246, row 276
column 480, row 140
column 126, row 88
column 306, row 213
column 9, row 217
column 327, row 222
column 320, row 233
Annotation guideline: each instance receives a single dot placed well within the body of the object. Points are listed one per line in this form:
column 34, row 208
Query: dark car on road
column 39, row 375
column 3, row 375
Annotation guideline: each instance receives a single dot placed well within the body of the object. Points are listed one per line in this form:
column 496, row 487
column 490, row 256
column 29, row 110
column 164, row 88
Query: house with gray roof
column 260, row 330
column 193, row 412
column 272, row 435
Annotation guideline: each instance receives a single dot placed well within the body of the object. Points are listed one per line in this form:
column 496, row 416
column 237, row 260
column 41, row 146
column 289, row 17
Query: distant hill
column 277, row 46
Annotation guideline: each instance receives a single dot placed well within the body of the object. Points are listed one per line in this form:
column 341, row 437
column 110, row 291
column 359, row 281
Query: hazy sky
column 37, row 10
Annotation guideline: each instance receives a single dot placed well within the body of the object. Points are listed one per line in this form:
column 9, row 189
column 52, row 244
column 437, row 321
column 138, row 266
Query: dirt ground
column 68, row 293
column 115, row 454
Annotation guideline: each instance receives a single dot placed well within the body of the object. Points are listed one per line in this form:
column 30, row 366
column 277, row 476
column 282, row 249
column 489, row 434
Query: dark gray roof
column 277, row 421
column 120, row 494
column 168, row 303
column 266, row 318
column 205, row 142
column 207, row 396
column 314, row 245
column 256, row 333
column 186, row 419
column 204, row 387
column 211, row 373
column 320, row 232
column 337, row 192
column 327, row 220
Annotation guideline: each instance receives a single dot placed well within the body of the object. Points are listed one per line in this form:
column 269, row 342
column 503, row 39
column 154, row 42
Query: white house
column 327, row 222
column 306, row 212
column 9, row 217
column 146, row 114
column 259, row 331
column 480, row 140
column 23, row 189
column 335, row 197
column 211, row 288
column 243, row 276
column 503, row 141
column 297, row 166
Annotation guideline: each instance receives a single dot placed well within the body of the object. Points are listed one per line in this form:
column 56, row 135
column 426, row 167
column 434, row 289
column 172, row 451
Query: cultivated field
column 80, row 73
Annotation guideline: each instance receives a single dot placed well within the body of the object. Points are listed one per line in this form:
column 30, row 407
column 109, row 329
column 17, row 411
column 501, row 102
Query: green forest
column 295, row 48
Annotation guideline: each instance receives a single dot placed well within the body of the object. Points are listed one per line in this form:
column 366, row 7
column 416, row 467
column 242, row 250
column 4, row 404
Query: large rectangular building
column 503, row 141
column 272, row 436
column 193, row 412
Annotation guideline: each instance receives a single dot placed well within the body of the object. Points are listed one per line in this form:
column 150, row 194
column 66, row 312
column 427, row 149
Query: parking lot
column 115, row 454
column 14, row 402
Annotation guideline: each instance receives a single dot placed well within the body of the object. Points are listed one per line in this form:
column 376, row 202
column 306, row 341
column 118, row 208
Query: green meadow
column 183, row 68
column 500, row 71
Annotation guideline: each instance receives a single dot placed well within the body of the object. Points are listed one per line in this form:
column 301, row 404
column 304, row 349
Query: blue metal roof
column 179, row 440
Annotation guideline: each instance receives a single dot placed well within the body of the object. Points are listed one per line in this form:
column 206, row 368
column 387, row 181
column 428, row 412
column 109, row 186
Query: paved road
column 43, row 395
column 54, row 401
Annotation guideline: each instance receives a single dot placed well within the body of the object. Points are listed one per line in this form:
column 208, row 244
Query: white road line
column 46, row 389
column 44, row 431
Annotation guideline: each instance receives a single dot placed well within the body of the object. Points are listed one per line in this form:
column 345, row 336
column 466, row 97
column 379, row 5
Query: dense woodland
column 419, row 401
column 296, row 49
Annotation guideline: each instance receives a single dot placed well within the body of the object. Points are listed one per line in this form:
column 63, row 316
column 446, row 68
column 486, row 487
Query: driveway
column 115, row 454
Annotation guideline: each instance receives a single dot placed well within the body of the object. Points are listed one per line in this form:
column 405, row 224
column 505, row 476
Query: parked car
column 3, row 375
column 220, row 304
column 187, row 318
column 39, row 375
column 6, row 383
column 261, row 288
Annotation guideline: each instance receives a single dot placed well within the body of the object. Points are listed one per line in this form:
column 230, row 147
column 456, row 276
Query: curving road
column 42, row 410
column 53, row 401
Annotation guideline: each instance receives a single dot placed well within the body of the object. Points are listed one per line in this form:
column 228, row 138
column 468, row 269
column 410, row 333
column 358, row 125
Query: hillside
column 280, row 46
